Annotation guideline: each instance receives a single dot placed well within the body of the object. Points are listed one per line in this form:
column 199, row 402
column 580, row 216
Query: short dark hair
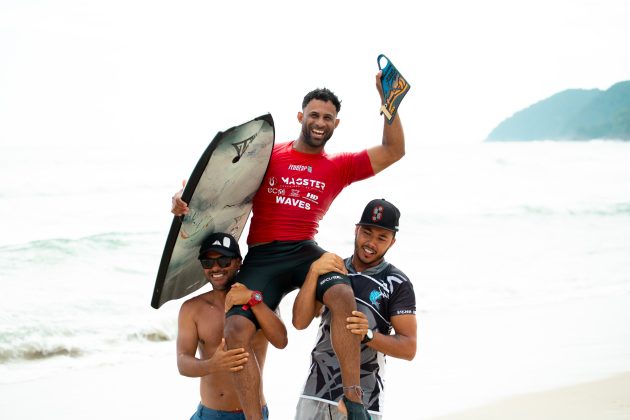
column 323, row 94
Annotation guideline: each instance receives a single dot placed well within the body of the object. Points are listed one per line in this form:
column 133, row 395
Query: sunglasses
column 222, row 261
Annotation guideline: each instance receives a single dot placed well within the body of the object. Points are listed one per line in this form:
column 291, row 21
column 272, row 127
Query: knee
column 340, row 296
column 238, row 331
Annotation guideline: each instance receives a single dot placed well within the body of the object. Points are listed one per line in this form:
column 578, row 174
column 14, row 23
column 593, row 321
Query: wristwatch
column 254, row 300
column 369, row 336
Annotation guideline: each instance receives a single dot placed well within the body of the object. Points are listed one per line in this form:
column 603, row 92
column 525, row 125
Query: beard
column 373, row 259
column 222, row 286
column 308, row 138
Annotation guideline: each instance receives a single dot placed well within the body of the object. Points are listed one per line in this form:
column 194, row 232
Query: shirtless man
column 200, row 328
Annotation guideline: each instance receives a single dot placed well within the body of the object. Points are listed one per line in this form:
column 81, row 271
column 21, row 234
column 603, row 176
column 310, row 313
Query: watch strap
column 369, row 336
column 254, row 300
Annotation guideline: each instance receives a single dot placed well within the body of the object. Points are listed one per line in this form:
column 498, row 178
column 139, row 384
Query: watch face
column 369, row 334
column 257, row 296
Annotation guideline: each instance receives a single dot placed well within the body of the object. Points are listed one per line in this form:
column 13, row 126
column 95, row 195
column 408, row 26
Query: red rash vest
column 298, row 189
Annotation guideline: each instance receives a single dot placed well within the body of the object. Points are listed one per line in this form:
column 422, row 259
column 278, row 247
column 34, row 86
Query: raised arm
column 270, row 324
column 392, row 147
column 187, row 341
column 305, row 306
column 402, row 344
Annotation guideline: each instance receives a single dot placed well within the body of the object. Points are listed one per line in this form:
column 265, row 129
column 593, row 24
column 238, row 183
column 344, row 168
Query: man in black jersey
column 385, row 302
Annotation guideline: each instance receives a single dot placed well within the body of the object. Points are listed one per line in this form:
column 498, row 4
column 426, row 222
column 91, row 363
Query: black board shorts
column 275, row 269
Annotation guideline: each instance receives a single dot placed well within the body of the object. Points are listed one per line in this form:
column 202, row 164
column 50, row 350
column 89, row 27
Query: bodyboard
column 219, row 194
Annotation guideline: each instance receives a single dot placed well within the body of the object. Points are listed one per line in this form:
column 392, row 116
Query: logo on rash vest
column 276, row 191
column 294, row 202
column 301, row 168
column 304, row 182
column 312, row 197
column 272, row 181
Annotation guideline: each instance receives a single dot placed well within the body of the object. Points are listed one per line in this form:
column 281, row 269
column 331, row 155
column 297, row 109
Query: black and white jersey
column 380, row 292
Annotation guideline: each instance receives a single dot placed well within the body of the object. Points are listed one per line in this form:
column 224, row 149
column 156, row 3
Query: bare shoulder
column 198, row 303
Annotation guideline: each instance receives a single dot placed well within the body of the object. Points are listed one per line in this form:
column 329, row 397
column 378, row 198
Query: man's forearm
column 271, row 325
column 394, row 138
column 305, row 304
column 399, row 346
column 192, row 367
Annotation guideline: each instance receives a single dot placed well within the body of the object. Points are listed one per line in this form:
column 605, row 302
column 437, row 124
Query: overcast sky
column 154, row 72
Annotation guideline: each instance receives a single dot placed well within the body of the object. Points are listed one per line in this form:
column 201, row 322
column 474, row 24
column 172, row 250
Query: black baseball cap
column 380, row 213
column 222, row 243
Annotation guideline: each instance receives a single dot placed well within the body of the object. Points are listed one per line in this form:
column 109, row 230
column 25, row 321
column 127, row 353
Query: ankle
column 353, row 393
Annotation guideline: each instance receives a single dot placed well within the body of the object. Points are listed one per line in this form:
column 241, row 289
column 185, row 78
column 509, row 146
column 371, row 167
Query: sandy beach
column 153, row 389
column 149, row 389
column 608, row 399
column 522, row 373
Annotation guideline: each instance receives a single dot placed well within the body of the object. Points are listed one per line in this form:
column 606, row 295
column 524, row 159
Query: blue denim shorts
column 205, row 413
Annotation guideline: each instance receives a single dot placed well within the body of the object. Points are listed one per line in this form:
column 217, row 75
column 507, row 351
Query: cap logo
column 225, row 244
column 377, row 213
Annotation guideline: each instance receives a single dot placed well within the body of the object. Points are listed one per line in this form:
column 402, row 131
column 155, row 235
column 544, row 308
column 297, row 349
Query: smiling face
column 319, row 120
column 370, row 245
column 221, row 277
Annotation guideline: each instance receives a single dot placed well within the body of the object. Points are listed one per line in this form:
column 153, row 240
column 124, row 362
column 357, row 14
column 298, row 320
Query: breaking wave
column 46, row 344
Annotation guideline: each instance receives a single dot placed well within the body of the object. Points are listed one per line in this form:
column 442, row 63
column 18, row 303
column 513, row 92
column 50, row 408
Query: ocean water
column 519, row 254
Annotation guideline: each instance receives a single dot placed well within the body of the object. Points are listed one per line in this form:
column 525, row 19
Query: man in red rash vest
column 299, row 186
